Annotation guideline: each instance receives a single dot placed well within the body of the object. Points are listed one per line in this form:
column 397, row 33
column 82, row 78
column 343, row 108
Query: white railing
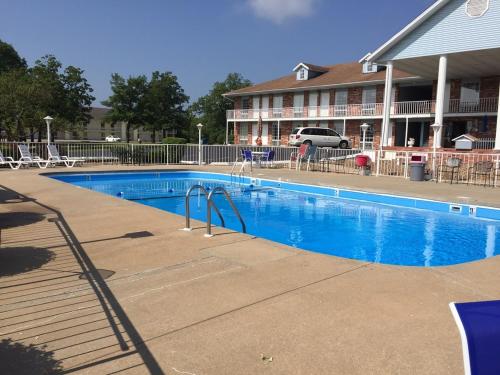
column 383, row 163
column 413, row 108
column 483, row 105
column 421, row 107
column 484, row 144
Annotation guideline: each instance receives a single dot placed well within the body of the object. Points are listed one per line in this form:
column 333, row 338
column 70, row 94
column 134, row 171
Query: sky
column 200, row 41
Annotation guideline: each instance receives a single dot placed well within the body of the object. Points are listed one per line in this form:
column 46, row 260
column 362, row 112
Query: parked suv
column 321, row 137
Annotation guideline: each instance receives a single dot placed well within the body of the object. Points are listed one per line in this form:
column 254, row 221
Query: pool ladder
column 211, row 204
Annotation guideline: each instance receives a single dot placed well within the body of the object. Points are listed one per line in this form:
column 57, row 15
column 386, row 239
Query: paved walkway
column 178, row 303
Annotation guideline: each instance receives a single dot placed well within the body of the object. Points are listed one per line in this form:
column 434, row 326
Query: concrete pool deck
column 179, row 303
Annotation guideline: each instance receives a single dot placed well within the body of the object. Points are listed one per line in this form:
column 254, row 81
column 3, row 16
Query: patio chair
column 298, row 156
column 247, row 157
column 452, row 168
column 13, row 164
column 56, row 158
column 27, row 158
column 480, row 169
column 268, row 158
column 310, row 157
column 479, row 327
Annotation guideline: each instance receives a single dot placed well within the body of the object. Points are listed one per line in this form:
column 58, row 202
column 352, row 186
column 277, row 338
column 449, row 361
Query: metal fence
column 383, row 163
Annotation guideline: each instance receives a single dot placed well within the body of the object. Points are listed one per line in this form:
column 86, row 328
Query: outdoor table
column 259, row 155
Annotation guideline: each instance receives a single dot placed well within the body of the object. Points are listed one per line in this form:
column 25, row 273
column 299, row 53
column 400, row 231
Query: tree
column 9, row 58
column 164, row 104
column 211, row 109
column 29, row 94
column 127, row 102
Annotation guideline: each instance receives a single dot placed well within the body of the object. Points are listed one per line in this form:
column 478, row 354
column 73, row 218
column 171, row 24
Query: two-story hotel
column 443, row 75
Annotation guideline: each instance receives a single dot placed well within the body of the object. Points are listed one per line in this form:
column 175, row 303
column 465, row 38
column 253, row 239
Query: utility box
column 464, row 142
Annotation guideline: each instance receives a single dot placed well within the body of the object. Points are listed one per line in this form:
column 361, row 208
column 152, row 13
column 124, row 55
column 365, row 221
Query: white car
column 111, row 138
column 321, row 137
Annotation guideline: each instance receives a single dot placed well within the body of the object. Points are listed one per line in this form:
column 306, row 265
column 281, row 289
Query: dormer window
column 302, row 74
column 369, row 67
column 307, row 71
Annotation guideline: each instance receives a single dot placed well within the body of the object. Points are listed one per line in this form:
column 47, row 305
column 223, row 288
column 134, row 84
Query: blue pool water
column 319, row 219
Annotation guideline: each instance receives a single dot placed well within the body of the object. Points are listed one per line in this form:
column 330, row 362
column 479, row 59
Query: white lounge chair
column 28, row 159
column 56, row 158
column 14, row 164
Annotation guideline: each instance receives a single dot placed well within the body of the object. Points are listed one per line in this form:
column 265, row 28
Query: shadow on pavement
column 15, row 260
column 49, row 314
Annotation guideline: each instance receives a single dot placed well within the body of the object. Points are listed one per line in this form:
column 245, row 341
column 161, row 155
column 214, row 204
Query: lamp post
column 364, row 128
column 436, row 127
column 199, row 126
column 48, row 121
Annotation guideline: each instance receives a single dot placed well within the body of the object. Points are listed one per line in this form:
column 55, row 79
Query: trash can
column 417, row 171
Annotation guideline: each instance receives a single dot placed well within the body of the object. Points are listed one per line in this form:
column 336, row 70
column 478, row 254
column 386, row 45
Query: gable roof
column 429, row 12
column 311, row 67
column 336, row 75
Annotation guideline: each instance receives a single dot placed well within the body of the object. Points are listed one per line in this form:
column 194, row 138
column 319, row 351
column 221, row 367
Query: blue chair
column 479, row 326
column 247, row 158
column 268, row 157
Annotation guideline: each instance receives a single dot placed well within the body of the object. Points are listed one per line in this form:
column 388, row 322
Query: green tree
column 127, row 101
column 29, row 94
column 211, row 109
column 9, row 58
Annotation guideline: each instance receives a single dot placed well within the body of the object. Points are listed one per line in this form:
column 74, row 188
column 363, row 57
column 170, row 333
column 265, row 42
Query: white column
column 227, row 132
column 497, row 137
column 387, row 104
column 441, row 90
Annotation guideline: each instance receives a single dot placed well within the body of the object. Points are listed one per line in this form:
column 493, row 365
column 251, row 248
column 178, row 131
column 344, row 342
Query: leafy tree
column 164, row 103
column 211, row 109
column 127, row 101
column 29, row 94
column 9, row 58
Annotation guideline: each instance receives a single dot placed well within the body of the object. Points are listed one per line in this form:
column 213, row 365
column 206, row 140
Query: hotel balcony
column 415, row 109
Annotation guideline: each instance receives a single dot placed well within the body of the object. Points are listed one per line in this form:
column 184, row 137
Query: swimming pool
column 351, row 224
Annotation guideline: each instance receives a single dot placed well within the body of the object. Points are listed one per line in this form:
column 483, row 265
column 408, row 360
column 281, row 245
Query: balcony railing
column 422, row 107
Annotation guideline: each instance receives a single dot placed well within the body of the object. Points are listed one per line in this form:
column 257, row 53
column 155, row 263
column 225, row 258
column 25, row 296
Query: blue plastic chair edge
column 463, row 337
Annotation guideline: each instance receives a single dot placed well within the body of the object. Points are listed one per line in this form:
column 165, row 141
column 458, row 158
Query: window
column 369, row 67
column 369, row 137
column 103, row 125
column 298, row 105
column 319, row 131
column 469, row 92
column 245, row 103
column 277, row 105
column 275, row 134
column 243, row 134
column 339, row 126
column 369, row 95
column 302, row 74
column 332, row 133
column 323, row 124
column 341, row 97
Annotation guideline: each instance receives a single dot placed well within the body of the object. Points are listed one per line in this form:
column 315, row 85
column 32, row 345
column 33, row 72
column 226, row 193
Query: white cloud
column 278, row 11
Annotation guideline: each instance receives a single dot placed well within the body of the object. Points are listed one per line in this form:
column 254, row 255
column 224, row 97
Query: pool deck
column 179, row 303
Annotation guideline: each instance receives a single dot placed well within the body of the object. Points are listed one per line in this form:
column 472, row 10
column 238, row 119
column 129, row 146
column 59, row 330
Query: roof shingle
column 340, row 74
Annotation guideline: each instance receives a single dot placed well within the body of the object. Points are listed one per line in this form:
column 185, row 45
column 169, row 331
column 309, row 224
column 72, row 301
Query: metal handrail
column 211, row 203
column 188, row 211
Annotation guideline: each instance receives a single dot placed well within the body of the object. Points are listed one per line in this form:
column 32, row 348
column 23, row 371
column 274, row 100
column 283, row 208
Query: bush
column 174, row 141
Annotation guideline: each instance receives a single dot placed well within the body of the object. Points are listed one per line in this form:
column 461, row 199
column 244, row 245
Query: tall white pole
column 440, row 94
column 364, row 139
column 199, row 145
column 48, row 133
column 497, row 136
column 387, row 104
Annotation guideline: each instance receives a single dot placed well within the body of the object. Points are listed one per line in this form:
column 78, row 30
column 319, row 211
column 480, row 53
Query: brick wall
column 380, row 93
column 455, row 88
column 332, row 97
column 355, row 95
column 286, row 128
column 287, row 99
column 237, row 102
column 306, row 98
column 236, row 133
column 489, row 87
